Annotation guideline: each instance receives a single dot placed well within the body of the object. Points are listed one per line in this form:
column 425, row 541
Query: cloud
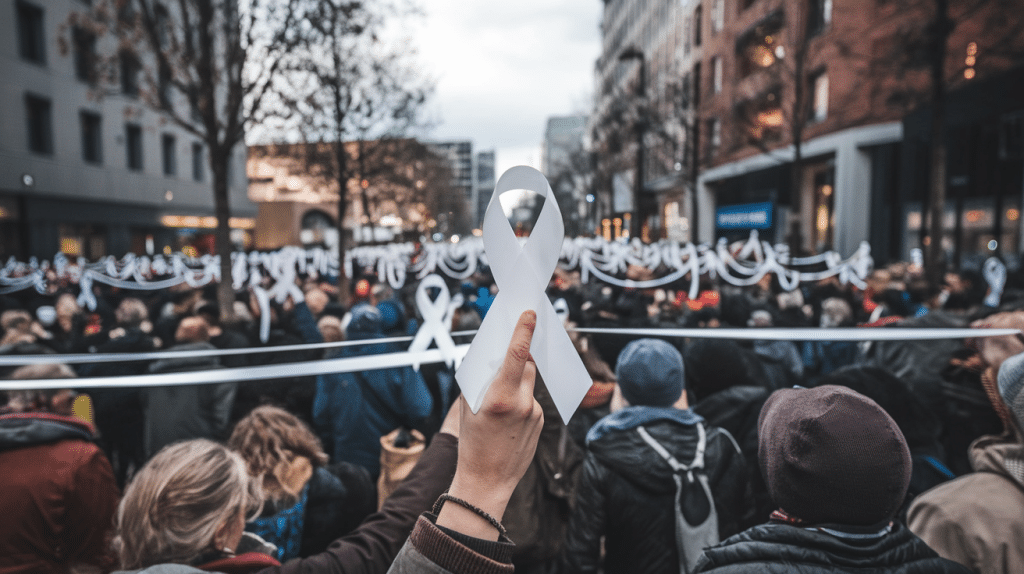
column 503, row 67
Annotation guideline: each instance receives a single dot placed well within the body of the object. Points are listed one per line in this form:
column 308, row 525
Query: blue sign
column 745, row 216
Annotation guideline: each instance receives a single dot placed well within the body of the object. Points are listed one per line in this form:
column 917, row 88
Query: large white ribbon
column 436, row 322
column 522, row 272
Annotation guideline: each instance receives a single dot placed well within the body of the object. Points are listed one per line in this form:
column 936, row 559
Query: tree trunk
column 219, row 165
column 937, row 147
column 341, row 173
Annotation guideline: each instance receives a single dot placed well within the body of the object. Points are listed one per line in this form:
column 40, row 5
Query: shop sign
column 745, row 216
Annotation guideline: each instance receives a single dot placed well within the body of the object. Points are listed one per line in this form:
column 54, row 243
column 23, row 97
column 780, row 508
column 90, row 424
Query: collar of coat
column 634, row 416
column 19, row 430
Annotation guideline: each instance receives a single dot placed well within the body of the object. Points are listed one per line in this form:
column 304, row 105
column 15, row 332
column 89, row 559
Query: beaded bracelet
column 479, row 512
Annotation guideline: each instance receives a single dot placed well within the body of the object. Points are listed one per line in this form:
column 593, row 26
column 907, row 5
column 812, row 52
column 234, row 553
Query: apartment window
column 92, row 137
column 169, row 151
column 198, row 161
column 819, row 101
column 763, row 116
column 698, row 19
column 164, row 88
column 130, row 70
column 714, row 135
column 40, row 124
column 820, row 15
column 85, row 54
column 133, row 146
column 717, row 15
column 716, row 74
column 31, row 34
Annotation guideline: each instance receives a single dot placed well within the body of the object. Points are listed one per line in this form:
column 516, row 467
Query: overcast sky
column 503, row 67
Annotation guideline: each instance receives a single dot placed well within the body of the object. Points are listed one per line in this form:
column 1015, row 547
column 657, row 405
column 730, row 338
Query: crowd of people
column 686, row 455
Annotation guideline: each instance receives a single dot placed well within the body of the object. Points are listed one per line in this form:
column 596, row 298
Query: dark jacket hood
column 616, row 444
column 19, row 430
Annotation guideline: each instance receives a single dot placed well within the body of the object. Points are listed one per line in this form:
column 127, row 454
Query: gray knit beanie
column 1011, row 383
column 650, row 373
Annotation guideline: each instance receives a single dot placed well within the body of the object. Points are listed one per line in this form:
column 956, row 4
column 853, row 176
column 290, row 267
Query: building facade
column 802, row 112
column 566, row 164
column 90, row 173
column 790, row 118
column 641, row 128
column 484, row 180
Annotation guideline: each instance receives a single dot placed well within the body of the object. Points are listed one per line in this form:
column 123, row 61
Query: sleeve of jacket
column 221, row 399
column 431, row 550
column 582, row 552
column 89, row 520
column 372, row 547
column 943, row 533
column 305, row 324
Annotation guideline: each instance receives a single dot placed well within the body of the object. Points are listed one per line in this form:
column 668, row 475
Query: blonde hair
column 173, row 508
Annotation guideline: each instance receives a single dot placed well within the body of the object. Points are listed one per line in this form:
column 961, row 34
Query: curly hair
column 269, row 435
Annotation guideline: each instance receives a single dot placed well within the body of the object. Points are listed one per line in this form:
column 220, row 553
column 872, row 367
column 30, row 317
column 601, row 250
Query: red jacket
column 57, row 495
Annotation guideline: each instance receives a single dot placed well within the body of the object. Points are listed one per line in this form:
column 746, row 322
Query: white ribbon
column 561, row 309
column 435, row 325
column 995, row 275
column 522, row 272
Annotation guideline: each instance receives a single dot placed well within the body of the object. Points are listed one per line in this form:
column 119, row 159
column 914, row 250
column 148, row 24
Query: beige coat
column 978, row 519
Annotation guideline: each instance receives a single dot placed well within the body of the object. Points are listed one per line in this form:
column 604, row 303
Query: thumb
column 507, row 386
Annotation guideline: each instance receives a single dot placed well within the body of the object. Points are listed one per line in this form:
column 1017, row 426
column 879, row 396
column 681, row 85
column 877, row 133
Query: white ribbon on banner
column 995, row 276
column 435, row 321
column 522, row 272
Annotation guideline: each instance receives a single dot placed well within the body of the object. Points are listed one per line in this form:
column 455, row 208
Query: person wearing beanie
column 655, row 515
column 837, row 468
column 978, row 519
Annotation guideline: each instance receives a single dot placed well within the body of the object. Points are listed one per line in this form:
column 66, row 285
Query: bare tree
column 346, row 83
column 207, row 66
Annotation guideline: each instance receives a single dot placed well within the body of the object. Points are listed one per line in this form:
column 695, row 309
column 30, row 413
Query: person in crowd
column 781, row 359
column 306, row 505
column 185, row 511
column 181, row 412
column 837, row 467
column 657, row 482
column 224, row 336
column 976, row 519
column 351, row 411
column 822, row 357
column 57, row 490
column 920, row 426
column 330, row 329
column 119, row 410
column 726, row 383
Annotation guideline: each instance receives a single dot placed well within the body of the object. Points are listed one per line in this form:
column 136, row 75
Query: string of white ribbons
column 406, row 358
column 740, row 264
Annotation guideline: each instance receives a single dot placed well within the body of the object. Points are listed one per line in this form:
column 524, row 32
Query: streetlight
column 634, row 53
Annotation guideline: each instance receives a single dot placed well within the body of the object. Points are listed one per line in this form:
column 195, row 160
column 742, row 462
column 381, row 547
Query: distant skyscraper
column 483, row 182
column 566, row 167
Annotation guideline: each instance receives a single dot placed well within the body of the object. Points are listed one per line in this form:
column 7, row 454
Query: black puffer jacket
column 777, row 548
column 627, row 494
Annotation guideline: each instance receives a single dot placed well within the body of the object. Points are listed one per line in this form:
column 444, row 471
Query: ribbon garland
column 521, row 272
column 739, row 264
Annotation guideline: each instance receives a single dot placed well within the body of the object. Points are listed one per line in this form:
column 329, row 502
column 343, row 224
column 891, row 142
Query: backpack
column 691, row 539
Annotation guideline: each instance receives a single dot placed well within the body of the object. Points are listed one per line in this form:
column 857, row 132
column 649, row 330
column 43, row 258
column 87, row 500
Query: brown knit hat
column 832, row 455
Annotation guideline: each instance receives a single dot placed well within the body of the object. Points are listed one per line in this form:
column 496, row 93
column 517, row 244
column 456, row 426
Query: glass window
column 31, row 34
column 40, row 124
column 716, row 69
column 819, row 103
column 92, row 137
column 198, row 161
column 168, row 145
column 130, row 70
column 85, row 54
column 133, row 146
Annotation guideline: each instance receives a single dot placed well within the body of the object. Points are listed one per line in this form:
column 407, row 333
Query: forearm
column 372, row 547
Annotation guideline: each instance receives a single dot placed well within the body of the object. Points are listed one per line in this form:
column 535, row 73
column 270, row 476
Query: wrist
column 483, row 494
